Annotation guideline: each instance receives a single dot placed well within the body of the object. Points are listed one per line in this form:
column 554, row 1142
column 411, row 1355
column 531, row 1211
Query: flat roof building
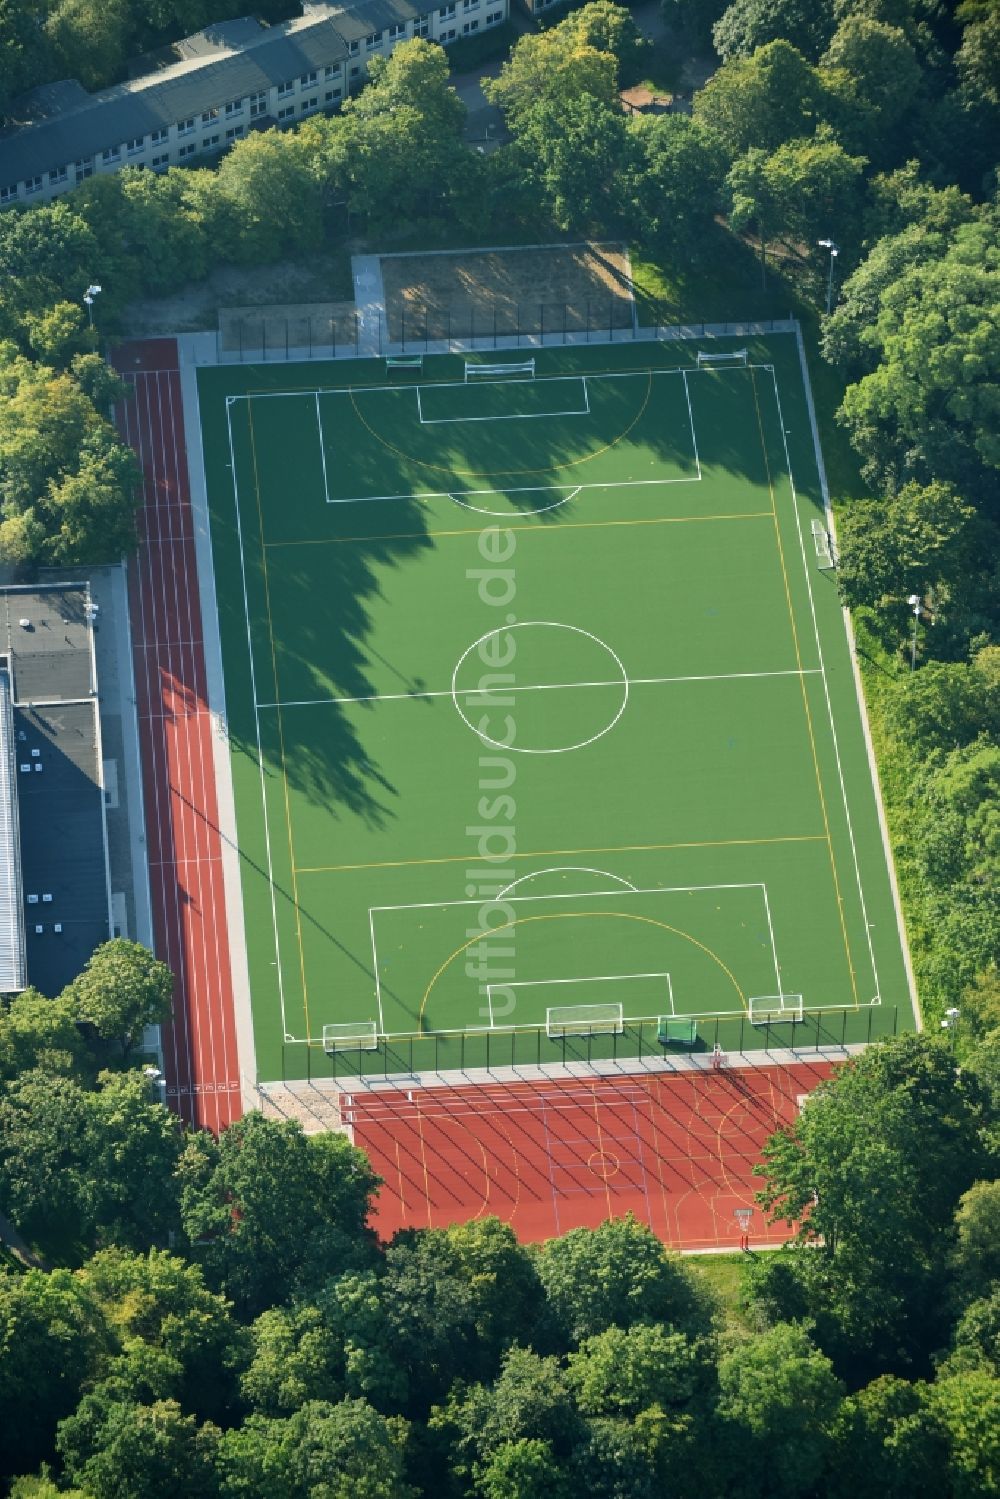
column 62, row 884
column 218, row 85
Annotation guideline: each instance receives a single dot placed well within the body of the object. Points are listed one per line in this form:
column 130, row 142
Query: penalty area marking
column 589, row 978
column 564, row 869
column 512, row 416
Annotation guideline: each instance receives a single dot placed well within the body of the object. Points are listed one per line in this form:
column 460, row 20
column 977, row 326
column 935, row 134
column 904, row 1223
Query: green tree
column 780, row 1398
column 40, row 1032
column 24, row 52
column 976, row 1259
column 760, row 102
column 923, row 539
column 297, row 1356
column 887, row 1444
column 929, row 408
column 552, row 69
column 945, row 706
column 89, row 39
column 797, row 191
column 968, row 1405
column 693, row 20
column 976, row 1339
column 876, row 73
column 43, row 1120
column 158, row 1309
column 345, row 1451
column 119, row 1450
column 623, row 1372
column 123, row 989
column 523, row 1469
column 679, row 177
column 617, row 1275
column 51, row 1340
column 978, row 58
column 749, row 24
column 269, row 198
column 265, row 1200
column 582, row 156
column 58, row 333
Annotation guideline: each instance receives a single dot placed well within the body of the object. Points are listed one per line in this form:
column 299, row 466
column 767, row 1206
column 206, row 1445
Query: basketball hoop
column 743, row 1217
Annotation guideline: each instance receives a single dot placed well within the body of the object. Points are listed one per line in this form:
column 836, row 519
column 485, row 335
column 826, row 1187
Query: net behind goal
column 583, row 1020
column 775, row 1009
column 524, row 369
column 358, row 1035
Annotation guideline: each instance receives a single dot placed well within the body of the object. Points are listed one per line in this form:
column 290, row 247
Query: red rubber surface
column 676, row 1149
column 175, row 732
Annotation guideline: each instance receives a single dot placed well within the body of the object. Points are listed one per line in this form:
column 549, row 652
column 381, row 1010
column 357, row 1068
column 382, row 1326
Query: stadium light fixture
column 913, row 600
column 93, row 291
column 834, row 249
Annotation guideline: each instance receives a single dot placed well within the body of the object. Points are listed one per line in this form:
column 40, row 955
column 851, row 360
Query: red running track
column 175, row 732
column 677, row 1149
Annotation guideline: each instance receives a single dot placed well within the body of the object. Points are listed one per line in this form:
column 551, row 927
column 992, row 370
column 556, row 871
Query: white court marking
column 511, row 416
column 589, row 978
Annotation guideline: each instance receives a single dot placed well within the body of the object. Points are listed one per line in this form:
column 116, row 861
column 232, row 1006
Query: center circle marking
column 539, row 624
column 604, row 1163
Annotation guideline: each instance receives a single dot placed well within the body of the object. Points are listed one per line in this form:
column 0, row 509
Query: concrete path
column 369, row 298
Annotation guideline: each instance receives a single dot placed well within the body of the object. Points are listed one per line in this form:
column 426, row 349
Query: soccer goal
column 775, row 1009
column 523, row 369
column 730, row 356
column 583, row 1020
column 358, row 1035
column 826, row 552
column 404, row 361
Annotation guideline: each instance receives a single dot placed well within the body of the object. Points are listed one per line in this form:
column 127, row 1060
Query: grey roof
column 13, row 970
column 247, row 62
column 61, row 807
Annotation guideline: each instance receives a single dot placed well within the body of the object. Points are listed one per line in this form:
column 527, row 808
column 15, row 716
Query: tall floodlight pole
column 834, row 249
column 914, row 603
column 89, row 297
column 949, row 1023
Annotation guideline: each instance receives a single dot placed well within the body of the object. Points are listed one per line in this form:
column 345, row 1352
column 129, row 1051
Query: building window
column 58, row 174
column 421, row 26
column 133, row 147
column 33, row 185
column 353, row 47
column 111, row 154
column 332, row 72
column 371, row 42
column 84, row 168
column 210, row 141
column 307, row 79
column 470, row 26
column 8, row 194
column 187, row 150
column 333, row 95
column 395, row 32
column 308, row 105
column 470, row 4
column 287, row 112
column 447, row 36
column 446, row 12
column 258, row 106
column 185, row 127
column 161, row 161
column 157, row 137
column 234, row 133
column 209, row 115
column 234, row 107
column 355, row 69
column 284, row 89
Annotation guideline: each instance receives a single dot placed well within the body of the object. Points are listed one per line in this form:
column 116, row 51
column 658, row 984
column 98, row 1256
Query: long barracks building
column 221, row 83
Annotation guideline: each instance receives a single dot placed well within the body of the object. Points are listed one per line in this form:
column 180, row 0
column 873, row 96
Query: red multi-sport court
column 676, row 1149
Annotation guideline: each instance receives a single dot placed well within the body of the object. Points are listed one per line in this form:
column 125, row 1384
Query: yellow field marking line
column 555, row 853
column 579, row 525
column 805, row 695
column 503, row 473
column 600, row 1147
column 575, row 916
column 281, row 731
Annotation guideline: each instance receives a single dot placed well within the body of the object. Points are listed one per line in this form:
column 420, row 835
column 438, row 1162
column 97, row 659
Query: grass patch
column 723, row 1273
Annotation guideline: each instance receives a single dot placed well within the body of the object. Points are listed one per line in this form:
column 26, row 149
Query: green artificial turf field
column 555, row 656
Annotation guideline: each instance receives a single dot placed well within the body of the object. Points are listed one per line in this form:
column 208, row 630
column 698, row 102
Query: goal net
column 583, row 1020
column 358, row 1035
column 729, row 356
column 775, row 1009
column 522, row 370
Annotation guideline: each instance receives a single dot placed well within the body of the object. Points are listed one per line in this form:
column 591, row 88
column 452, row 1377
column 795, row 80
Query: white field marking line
column 256, row 716
column 322, row 449
column 514, row 416
column 565, row 499
column 487, row 692
column 589, row 978
column 774, row 949
column 449, row 494
column 346, row 390
column 670, row 995
column 378, row 981
column 444, row 905
column 694, row 438
column 564, row 869
column 826, row 693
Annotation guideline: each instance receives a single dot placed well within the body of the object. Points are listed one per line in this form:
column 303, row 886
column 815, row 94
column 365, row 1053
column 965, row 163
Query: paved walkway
column 369, row 298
